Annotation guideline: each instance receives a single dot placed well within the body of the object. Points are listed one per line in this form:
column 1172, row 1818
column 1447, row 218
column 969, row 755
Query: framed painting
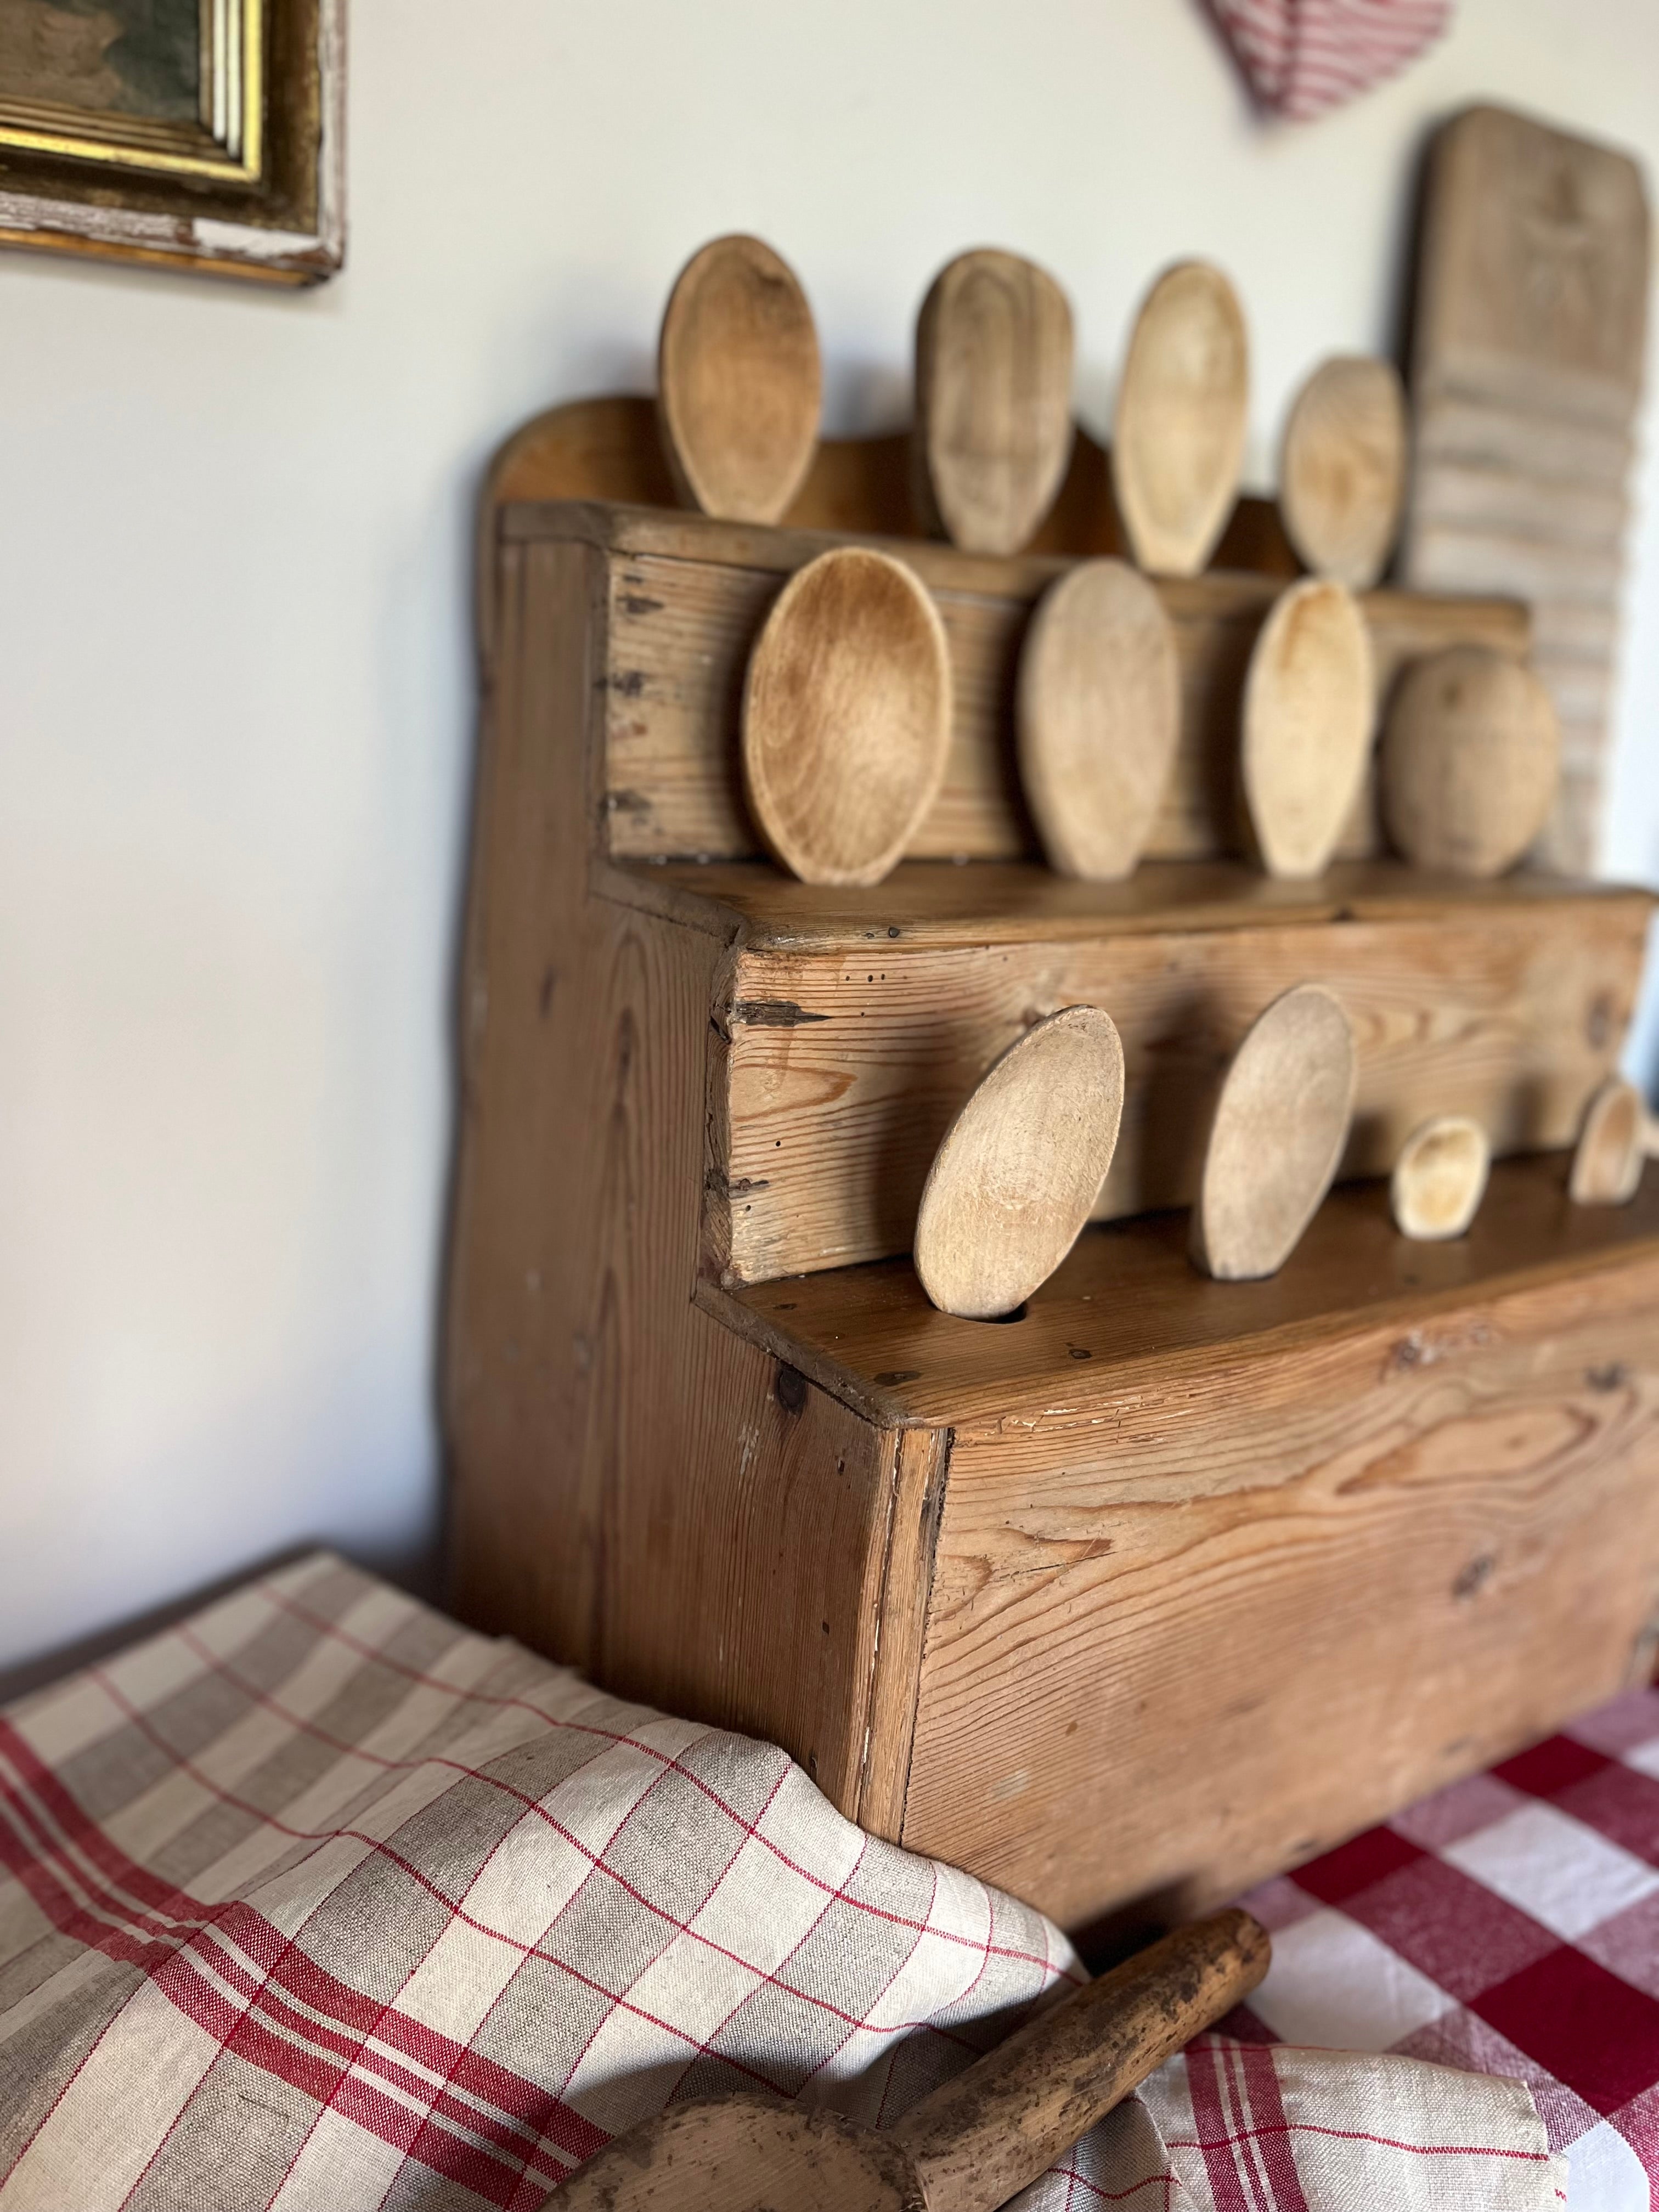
column 201, row 134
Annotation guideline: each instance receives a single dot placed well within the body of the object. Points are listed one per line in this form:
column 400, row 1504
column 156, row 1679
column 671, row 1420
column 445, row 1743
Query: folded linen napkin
column 320, row 1900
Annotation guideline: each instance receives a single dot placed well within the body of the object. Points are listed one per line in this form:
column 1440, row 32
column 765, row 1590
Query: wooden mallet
column 970, row 2146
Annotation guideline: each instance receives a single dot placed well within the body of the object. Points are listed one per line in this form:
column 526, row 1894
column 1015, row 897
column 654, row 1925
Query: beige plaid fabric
column 318, row 1900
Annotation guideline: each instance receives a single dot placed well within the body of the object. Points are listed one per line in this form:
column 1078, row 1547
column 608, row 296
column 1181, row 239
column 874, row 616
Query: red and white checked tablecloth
column 318, row 1900
column 1511, row 1924
column 1302, row 58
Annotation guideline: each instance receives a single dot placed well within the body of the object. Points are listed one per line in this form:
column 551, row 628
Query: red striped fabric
column 1304, row 58
column 319, row 1903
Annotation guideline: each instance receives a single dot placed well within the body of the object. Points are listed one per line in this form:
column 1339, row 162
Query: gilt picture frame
column 205, row 135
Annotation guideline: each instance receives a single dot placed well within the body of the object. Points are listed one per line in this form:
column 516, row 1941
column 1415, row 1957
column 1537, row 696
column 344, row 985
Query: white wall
column 234, row 674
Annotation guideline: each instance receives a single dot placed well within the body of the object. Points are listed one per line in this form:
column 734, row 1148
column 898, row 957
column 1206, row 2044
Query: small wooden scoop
column 970, row 2146
column 1342, row 469
column 993, row 398
column 1310, row 704
column 1440, row 1178
column 1280, row 1126
column 1098, row 714
column 1021, row 1166
column 739, row 382
column 1618, row 1136
column 845, row 717
column 1470, row 761
column 1178, row 428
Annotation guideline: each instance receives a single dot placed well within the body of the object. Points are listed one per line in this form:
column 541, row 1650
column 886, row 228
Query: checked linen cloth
column 1509, row 1924
column 318, row 1900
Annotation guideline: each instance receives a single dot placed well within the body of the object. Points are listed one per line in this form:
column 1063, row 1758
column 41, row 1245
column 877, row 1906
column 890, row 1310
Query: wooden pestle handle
column 992, row 2131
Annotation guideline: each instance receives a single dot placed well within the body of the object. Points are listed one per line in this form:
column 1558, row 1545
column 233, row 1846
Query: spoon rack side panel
column 636, row 1490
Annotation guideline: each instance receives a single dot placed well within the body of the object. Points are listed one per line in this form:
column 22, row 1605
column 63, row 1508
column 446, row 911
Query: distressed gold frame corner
column 253, row 188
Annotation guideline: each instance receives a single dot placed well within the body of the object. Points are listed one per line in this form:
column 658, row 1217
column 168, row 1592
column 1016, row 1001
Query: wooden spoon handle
column 992, row 2131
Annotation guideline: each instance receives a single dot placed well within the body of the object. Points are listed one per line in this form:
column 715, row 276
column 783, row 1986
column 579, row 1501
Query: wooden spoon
column 845, row 717
column 1098, row 715
column 1440, row 1178
column 739, row 382
column 1280, row 1126
column 1618, row 1136
column 1342, row 469
column 1021, row 1166
column 1178, row 432
column 993, row 398
column 1309, row 702
column 1471, row 759
column 970, row 2146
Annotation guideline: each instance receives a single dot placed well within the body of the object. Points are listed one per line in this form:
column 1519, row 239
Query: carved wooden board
column 1530, row 334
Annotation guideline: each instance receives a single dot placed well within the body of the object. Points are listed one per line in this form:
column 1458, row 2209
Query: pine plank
column 689, row 600
column 636, row 1490
column 1263, row 1604
column 855, row 1028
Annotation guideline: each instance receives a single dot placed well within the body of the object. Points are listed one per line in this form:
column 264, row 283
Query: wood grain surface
column 972, row 2145
column 1127, row 1298
column 1471, row 759
column 1178, row 428
column 745, row 2152
column 1010, row 902
column 977, row 1576
column 739, row 384
column 622, row 1464
column 1309, row 711
column 993, row 398
column 1290, row 1595
column 1098, row 718
column 689, row 600
column 848, row 1048
column 1226, row 1572
column 1440, row 1178
column 1279, row 1130
column 609, row 448
column 1342, row 469
column 1530, row 338
column 845, row 717
column 990, row 2132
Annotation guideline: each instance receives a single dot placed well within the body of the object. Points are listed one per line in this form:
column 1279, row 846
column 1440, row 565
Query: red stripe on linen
column 750, row 1830
column 1205, row 2082
column 168, row 1956
column 520, row 2129
column 675, row 1765
column 598, row 1865
column 190, row 1950
column 286, row 1965
column 1255, row 2064
column 1363, row 2134
column 1074, row 2181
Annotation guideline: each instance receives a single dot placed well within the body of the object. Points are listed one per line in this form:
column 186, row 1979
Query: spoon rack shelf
column 1166, row 1585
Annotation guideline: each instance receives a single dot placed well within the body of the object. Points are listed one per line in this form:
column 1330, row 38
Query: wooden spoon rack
column 1169, row 1583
